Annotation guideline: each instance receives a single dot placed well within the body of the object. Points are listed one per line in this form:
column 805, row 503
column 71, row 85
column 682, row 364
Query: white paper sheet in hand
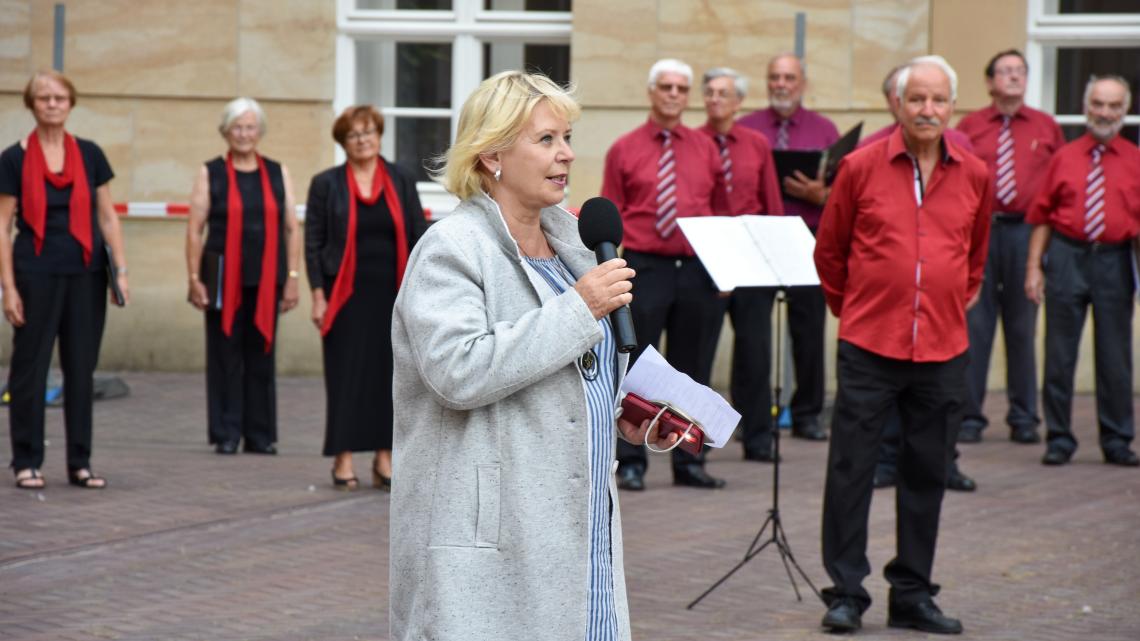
column 653, row 378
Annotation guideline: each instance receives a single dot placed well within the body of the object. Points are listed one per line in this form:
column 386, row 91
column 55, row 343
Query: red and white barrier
column 180, row 210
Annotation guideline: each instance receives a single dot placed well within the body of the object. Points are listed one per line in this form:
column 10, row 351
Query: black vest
column 253, row 217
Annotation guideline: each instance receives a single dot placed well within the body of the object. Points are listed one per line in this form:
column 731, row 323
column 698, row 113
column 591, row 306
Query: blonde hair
column 490, row 122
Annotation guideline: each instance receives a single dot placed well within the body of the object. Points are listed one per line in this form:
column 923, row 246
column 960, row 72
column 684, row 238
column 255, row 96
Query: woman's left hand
column 290, row 296
column 636, row 434
column 125, row 287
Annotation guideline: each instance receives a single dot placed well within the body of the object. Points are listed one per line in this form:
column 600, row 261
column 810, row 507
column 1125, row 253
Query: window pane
column 1074, row 66
column 1072, row 132
column 418, row 141
column 441, row 5
column 1098, row 6
column 527, row 5
column 403, row 74
column 552, row 60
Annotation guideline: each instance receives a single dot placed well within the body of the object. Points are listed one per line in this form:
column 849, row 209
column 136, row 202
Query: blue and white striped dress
column 601, row 619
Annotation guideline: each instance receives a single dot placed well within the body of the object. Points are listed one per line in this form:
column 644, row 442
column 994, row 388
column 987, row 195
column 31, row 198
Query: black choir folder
column 211, row 271
column 810, row 163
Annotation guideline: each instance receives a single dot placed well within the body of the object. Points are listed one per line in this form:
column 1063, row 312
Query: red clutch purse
column 636, row 409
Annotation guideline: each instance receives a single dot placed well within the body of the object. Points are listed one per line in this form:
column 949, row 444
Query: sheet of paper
column 653, row 378
column 788, row 246
column 727, row 252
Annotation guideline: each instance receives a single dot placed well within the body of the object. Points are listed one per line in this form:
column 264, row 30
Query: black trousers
column 929, row 399
column 751, row 387
column 241, row 380
column 72, row 307
column 1078, row 275
column 675, row 296
column 1003, row 295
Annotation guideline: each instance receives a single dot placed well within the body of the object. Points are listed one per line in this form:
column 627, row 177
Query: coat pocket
column 487, row 517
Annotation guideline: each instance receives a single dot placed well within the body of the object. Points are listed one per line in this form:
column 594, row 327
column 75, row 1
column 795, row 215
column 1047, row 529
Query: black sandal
column 88, row 482
column 30, row 482
column 346, row 485
column 381, row 482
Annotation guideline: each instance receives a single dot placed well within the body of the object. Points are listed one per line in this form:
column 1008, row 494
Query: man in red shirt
column 751, row 187
column 1016, row 142
column 900, row 254
column 1088, row 215
column 655, row 174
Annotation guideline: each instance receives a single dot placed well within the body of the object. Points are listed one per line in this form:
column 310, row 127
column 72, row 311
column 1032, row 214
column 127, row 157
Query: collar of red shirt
column 655, row 129
column 896, row 147
column 992, row 113
column 1087, row 142
column 708, row 128
column 793, row 119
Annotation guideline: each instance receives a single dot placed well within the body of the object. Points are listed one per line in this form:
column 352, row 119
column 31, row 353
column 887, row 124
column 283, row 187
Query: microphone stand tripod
column 777, row 537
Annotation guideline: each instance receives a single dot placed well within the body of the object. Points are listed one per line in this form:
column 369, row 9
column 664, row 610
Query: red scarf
column 34, row 193
column 266, row 313
column 346, row 276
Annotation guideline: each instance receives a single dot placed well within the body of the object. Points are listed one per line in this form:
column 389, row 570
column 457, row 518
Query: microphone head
column 599, row 222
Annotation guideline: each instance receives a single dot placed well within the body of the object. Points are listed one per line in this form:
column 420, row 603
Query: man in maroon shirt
column 787, row 124
column 900, row 253
column 1016, row 142
column 1087, row 214
column 655, row 174
column 751, row 187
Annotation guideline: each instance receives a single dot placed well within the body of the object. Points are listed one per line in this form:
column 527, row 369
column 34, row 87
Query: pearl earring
column 498, row 174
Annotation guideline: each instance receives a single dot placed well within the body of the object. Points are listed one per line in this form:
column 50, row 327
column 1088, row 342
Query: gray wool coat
column 490, row 492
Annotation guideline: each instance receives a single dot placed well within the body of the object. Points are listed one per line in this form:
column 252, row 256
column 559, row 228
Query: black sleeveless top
column 253, row 217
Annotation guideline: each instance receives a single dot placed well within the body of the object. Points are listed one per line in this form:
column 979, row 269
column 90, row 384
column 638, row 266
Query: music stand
column 775, row 252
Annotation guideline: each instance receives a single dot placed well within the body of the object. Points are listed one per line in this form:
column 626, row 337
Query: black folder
column 112, row 280
column 810, row 163
column 211, row 272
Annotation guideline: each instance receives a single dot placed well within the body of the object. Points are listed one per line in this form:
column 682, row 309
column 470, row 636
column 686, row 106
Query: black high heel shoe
column 381, row 482
column 345, row 485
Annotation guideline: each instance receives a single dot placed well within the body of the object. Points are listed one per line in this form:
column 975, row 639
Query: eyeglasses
column 1010, row 71
column 723, row 94
column 53, row 98
column 354, row 136
column 245, row 129
column 670, row 87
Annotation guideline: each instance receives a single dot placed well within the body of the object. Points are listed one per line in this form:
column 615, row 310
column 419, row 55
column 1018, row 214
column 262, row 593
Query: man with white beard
column 1088, row 216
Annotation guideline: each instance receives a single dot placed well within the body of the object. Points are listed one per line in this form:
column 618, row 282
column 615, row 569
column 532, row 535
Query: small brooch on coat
column 588, row 363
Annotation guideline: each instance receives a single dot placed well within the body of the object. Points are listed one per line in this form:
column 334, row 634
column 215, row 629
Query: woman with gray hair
column 505, row 521
column 241, row 275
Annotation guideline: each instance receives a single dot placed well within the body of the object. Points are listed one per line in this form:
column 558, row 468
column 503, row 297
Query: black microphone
column 599, row 225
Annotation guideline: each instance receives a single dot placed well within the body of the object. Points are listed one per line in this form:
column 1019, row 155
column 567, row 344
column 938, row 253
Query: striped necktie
column 1094, row 197
column 782, row 135
column 1006, row 180
column 725, row 161
column 666, row 188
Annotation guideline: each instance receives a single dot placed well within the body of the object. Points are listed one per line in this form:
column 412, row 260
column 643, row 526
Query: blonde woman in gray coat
column 505, row 522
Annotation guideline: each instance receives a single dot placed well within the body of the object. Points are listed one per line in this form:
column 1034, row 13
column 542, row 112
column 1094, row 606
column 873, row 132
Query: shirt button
column 678, row 263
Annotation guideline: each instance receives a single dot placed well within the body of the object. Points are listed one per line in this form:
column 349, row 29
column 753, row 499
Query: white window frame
column 467, row 27
column 1048, row 30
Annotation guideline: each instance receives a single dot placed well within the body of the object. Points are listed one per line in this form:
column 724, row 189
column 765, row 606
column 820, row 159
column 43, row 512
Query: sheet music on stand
column 753, row 251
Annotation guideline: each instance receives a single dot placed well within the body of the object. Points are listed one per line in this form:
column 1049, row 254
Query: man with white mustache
column 908, row 219
column 1086, row 220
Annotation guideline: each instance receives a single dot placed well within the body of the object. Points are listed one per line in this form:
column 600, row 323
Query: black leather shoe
column 696, row 476
column 969, row 434
column 842, row 616
column 959, row 482
column 885, row 478
column 809, row 432
column 1026, row 435
column 1121, row 456
column 1055, row 456
column 260, row 449
column 923, row 616
column 760, row 456
column 226, row 447
column 631, row 478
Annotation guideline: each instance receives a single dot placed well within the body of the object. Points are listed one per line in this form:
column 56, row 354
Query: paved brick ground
column 187, row 545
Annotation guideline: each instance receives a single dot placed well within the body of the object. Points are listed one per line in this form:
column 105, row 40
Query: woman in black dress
column 55, row 275
column 361, row 221
column 241, row 275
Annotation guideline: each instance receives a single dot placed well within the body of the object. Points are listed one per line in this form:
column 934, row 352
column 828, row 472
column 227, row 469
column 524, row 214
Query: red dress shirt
column 807, row 130
column 953, row 135
column 1061, row 201
column 630, row 181
column 755, row 187
column 898, row 273
column 1036, row 137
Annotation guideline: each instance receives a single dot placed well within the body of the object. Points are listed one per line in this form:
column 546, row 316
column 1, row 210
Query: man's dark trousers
column 929, row 399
